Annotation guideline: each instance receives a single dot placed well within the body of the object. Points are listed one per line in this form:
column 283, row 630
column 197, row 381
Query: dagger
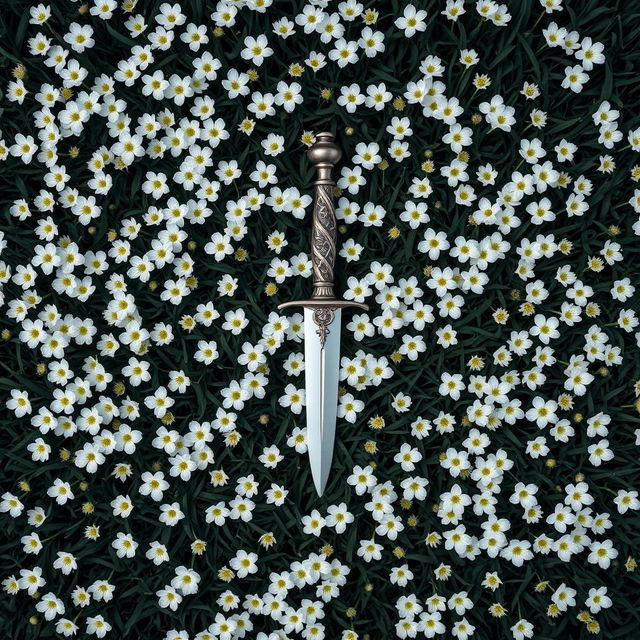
column 322, row 316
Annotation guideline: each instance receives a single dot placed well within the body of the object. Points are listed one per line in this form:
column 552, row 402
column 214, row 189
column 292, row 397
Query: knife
column 322, row 316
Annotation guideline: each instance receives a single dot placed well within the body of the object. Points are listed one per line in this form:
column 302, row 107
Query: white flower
column 313, row 523
column 367, row 154
column 543, row 412
column 564, row 597
column 338, row 517
column 155, row 184
column 19, row 403
column 270, row 457
column 79, row 37
column 194, row 36
column 182, row 465
column 50, row 606
column 168, row 598
column 170, row 514
column 598, row 599
column 414, row 488
column 626, row 500
column 599, row 453
column 350, row 97
column 458, row 137
column 412, row 346
column 462, row 629
column 369, row 550
column 407, row 457
column 601, row 553
column 244, row 563
column 433, row 243
column 186, row 580
column 207, row 352
column 159, row 402
column 344, row 52
column 352, row 179
column 377, row 97
column 411, row 21
column 98, row 625
column 574, row 78
column 590, row 53
column 122, row 506
column 256, row 49
column 276, row 495
column 153, row 484
column 518, row 552
column 125, row 545
column 349, row 407
column 89, row 457
column 362, row 479
column 524, row 495
column 522, row 629
column 31, row 580
column 293, row 398
column 401, row 402
column 61, row 491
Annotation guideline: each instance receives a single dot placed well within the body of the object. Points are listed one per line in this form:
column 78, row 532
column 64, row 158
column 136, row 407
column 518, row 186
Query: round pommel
column 324, row 151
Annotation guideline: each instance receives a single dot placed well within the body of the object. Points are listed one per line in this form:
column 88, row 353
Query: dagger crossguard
column 324, row 154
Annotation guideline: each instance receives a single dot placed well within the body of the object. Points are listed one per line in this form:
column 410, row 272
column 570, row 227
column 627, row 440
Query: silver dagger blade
column 322, row 370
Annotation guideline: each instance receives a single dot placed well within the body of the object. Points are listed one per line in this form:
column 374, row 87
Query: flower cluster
column 156, row 475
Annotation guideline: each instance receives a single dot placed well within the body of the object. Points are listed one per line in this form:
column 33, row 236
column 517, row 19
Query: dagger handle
column 324, row 154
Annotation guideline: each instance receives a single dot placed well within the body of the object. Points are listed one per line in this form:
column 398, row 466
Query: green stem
column 535, row 24
column 53, row 31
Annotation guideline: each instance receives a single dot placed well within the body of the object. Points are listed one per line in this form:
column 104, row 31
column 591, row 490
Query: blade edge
column 322, row 372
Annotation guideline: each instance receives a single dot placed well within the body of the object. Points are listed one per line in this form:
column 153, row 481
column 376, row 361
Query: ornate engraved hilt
column 324, row 154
